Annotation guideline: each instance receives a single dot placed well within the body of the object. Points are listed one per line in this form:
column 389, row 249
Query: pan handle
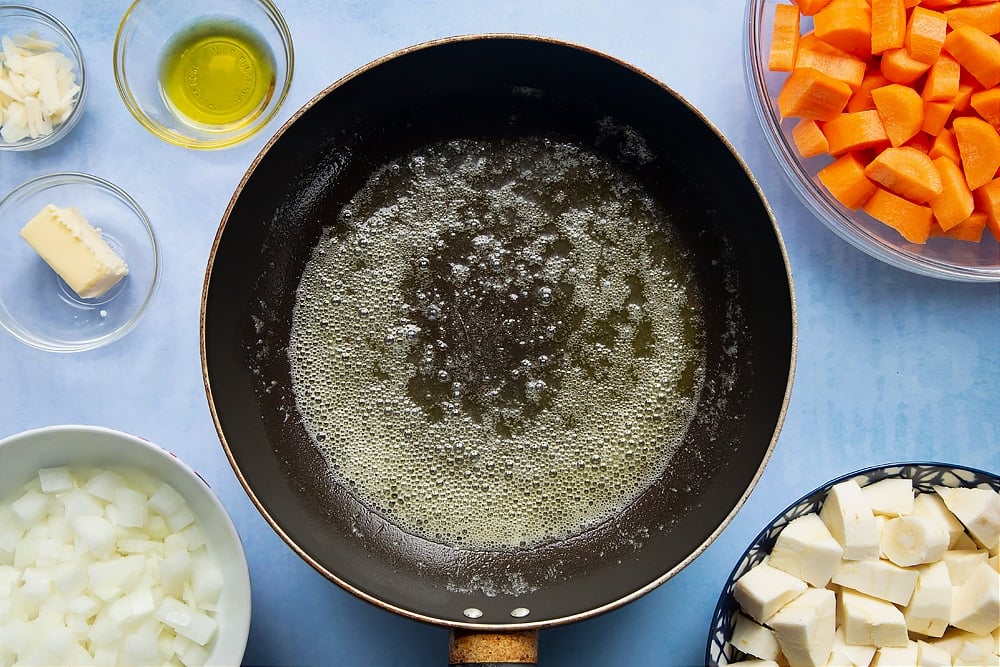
column 493, row 649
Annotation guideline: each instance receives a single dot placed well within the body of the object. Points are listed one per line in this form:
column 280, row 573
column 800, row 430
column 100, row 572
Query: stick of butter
column 75, row 250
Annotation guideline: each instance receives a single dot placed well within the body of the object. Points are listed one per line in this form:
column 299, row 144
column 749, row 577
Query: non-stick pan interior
column 497, row 86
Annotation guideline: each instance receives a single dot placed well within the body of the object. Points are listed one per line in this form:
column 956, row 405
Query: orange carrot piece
column 936, row 116
column 912, row 221
column 979, row 146
column 861, row 100
column 971, row 229
column 954, row 203
column 987, row 104
column 945, row 144
column 810, row 7
column 942, row 79
column 845, row 179
column 985, row 17
column 847, row 24
column 921, row 142
column 816, row 54
column 906, row 172
column 809, row 93
column 939, row 4
column 901, row 111
column 899, row 67
column 925, row 34
column 888, row 25
column 962, row 98
column 988, row 201
column 855, row 131
column 977, row 52
column 784, row 38
column 809, row 138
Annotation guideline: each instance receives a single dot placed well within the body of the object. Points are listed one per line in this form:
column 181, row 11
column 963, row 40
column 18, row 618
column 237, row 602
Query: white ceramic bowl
column 25, row 453
column 925, row 476
column 938, row 258
column 22, row 20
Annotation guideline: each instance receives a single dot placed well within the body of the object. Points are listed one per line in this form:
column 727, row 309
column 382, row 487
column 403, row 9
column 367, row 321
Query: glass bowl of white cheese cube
column 79, row 262
column 113, row 551
column 891, row 565
column 43, row 81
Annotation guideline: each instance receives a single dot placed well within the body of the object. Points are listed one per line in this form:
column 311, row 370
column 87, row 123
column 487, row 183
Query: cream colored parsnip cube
column 850, row 520
column 976, row 604
column 754, row 639
column 869, row 621
column 878, row 578
column 929, row 611
column 896, row 656
column 805, row 627
column 977, row 509
column 806, row 549
column 890, row 497
column 764, row 590
column 931, row 506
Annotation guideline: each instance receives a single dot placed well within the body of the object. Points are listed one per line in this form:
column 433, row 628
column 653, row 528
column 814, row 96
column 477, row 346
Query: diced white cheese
column 763, row 590
column 805, row 627
column 890, row 497
column 977, row 509
column 929, row 611
column 868, row 621
column 878, row 578
column 976, row 606
column 806, row 549
column 754, row 639
column 850, row 520
column 913, row 540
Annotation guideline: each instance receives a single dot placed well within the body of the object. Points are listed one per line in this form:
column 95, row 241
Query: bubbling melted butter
column 499, row 344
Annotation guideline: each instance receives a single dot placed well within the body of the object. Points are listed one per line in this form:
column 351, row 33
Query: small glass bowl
column 148, row 27
column 939, row 257
column 925, row 476
column 21, row 20
column 36, row 306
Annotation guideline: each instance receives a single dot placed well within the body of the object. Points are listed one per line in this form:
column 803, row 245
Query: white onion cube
column 55, row 480
column 132, row 507
column 166, row 500
column 185, row 621
column 96, row 533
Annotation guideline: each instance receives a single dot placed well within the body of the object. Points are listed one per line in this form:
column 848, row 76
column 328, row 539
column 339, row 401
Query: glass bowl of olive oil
column 205, row 76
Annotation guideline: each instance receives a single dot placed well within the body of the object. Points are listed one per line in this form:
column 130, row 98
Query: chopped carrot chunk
column 954, row 203
column 912, row 221
column 906, row 172
column 925, row 34
column 784, row 38
column 846, row 24
column 977, row 52
column 901, row 110
column 845, row 179
column 808, row 93
column 888, row 25
column 855, row 131
column 979, row 145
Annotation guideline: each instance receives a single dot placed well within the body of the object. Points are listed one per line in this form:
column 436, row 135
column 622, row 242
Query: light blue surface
column 891, row 366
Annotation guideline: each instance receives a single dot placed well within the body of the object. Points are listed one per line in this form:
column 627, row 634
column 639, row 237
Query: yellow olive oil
column 217, row 73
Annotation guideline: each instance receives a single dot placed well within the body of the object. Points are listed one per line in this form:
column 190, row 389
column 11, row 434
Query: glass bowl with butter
column 886, row 543
column 79, row 262
column 43, row 79
column 203, row 76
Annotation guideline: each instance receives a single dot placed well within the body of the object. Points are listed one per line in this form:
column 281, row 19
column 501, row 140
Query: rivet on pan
column 520, row 612
column 472, row 612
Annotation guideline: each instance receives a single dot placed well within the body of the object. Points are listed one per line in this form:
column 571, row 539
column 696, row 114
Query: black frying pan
column 498, row 86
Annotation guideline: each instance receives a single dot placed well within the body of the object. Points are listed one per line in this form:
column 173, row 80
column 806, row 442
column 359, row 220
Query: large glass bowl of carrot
column 885, row 116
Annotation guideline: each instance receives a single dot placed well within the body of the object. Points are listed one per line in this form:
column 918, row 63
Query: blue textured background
column 891, row 365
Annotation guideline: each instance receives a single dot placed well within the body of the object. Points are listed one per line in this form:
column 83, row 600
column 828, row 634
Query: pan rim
column 527, row 625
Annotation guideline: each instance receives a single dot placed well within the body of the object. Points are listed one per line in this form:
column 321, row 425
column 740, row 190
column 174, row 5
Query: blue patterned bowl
column 925, row 477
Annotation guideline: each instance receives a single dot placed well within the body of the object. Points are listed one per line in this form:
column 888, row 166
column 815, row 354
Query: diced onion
column 101, row 567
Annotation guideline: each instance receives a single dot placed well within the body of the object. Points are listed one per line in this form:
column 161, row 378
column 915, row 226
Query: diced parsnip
column 850, row 520
column 976, row 605
column 806, row 626
column 806, row 549
column 929, row 611
column 913, row 540
column 962, row 563
column 890, row 497
column 878, row 578
column 869, row 621
column 764, row 590
column 977, row 509
column 931, row 506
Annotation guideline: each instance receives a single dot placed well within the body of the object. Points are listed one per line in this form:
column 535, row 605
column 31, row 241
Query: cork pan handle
column 492, row 649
